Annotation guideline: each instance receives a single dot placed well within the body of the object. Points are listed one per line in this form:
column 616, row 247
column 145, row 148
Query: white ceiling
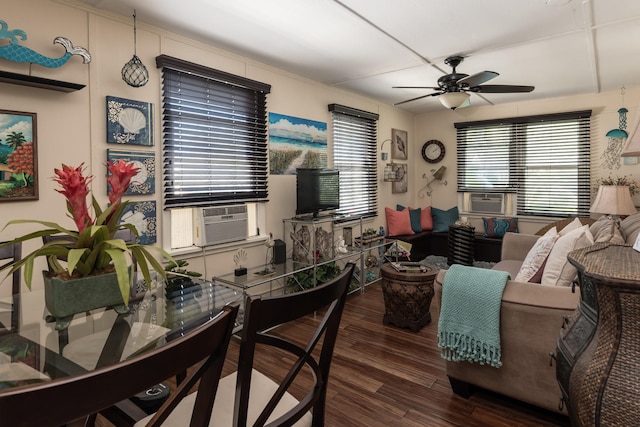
column 562, row 47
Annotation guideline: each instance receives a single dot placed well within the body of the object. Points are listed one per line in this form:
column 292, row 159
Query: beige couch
column 531, row 318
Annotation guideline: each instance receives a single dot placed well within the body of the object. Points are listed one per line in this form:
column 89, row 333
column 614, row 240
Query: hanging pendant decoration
column 134, row 73
column 617, row 140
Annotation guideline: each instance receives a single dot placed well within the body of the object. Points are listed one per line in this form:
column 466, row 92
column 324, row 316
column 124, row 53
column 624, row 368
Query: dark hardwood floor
column 385, row 376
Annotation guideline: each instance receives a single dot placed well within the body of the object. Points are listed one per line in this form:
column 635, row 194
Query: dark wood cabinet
column 598, row 351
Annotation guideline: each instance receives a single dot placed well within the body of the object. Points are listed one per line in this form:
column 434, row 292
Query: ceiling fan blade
column 501, row 89
column 477, row 78
column 419, row 97
column 415, row 87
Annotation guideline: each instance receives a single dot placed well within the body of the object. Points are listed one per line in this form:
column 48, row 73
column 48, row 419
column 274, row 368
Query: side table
column 407, row 296
column 461, row 245
column 597, row 351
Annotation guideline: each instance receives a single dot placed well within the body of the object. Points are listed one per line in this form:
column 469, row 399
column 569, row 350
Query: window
column 214, row 141
column 544, row 159
column 354, row 155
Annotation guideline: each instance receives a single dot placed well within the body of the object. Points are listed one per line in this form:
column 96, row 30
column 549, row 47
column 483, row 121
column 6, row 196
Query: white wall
column 72, row 126
column 440, row 125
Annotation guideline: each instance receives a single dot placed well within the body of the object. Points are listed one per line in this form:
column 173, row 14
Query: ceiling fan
column 453, row 89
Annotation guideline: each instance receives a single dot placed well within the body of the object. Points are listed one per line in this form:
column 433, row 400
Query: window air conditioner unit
column 219, row 224
column 489, row 203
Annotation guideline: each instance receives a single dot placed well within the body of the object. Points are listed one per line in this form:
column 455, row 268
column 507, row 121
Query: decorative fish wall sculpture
column 16, row 53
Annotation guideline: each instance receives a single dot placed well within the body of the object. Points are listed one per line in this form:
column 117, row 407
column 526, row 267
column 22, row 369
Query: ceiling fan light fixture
column 453, row 100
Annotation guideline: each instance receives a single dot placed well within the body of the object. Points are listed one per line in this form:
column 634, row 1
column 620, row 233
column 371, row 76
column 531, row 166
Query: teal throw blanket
column 469, row 325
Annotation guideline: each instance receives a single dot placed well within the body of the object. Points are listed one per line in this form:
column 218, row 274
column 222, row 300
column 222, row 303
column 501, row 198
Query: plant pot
column 65, row 298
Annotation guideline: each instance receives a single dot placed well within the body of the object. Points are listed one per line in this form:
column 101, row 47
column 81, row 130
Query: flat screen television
column 317, row 190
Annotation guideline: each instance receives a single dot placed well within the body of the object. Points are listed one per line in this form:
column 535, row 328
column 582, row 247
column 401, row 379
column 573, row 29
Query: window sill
column 214, row 249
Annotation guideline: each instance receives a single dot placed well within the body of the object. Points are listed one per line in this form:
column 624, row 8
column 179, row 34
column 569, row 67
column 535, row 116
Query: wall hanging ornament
column 16, row 53
column 134, row 73
column 617, row 139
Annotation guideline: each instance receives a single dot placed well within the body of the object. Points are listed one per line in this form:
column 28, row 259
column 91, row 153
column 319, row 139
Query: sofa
column 531, row 316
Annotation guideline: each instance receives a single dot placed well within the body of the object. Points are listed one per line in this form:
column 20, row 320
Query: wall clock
column 433, row 151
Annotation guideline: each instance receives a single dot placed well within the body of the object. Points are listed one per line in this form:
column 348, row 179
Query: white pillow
column 537, row 255
column 559, row 271
column 575, row 224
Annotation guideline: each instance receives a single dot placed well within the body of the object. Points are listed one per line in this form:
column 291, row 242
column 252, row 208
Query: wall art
column 143, row 216
column 401, row 172
column 129, row 121
column 296, row 143
column 144, row 182
column 400, row 146
column 18, row 156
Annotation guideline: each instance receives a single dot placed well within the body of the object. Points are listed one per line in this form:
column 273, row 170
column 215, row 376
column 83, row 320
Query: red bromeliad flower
column 119, row 178
column 75, row 187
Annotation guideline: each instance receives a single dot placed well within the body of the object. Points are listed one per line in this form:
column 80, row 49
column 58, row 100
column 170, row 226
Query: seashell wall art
column 129, row 121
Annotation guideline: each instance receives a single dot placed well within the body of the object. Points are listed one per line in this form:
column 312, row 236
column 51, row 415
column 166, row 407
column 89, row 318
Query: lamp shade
column 453, row 100
column 613, row 200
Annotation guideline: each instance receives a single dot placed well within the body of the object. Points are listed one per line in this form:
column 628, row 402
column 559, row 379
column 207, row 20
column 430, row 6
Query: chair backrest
column 262, row 314
column 13, row 253
column 63, row 400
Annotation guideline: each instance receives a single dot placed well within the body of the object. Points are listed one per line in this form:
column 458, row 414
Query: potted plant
column 78, row 258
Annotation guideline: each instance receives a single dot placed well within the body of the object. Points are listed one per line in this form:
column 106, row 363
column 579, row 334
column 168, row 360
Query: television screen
column 317, row 190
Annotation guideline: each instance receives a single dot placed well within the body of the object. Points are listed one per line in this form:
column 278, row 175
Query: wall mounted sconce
column 390, row 169
column 437, row 175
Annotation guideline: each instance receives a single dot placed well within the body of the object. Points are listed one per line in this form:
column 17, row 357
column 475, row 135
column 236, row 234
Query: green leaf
column 75, row 255
column 122, row 272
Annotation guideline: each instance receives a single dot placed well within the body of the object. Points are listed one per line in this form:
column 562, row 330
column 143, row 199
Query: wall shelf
column 39, row 82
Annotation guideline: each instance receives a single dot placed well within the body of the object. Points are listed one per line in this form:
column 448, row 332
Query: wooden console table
column 597, row 354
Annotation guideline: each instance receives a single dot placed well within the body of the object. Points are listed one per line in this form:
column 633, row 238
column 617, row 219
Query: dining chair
column 247, row 396
column 13, row 253
column 65, row 400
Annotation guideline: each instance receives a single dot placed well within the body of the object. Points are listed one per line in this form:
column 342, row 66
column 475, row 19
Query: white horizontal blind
column 545, row 159
column 354, row 155
column 215, row 136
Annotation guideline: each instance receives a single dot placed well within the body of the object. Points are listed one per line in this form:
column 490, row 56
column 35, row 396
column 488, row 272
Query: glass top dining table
column 32, row 350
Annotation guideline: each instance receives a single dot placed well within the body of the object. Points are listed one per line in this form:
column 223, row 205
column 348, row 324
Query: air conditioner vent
column 220, row 224
column 490, row 203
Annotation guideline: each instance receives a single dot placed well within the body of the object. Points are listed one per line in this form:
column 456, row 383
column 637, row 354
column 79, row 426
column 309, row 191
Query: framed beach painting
column 129, row 121
column 296, row 143
column 18, row 156
column 144, row 182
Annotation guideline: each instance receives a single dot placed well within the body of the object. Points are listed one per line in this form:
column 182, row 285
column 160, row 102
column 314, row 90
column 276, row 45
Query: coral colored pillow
column 426, row 220
column 398, row 222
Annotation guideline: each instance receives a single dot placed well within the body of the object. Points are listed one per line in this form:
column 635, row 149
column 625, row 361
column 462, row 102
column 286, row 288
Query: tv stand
column 313, row 242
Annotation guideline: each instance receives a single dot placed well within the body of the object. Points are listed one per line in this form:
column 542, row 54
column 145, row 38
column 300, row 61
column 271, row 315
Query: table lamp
column 613, row 200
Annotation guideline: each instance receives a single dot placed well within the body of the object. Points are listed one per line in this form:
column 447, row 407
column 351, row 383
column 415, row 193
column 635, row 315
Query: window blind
column 214, row 136
column 354, row 155
column 545, row 159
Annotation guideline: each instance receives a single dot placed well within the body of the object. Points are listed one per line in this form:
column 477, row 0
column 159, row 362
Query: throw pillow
column 425, row 219
column 605, row 229
column 496, row 227
column 398, row 222
column 558, row 270
column 537, row 255
column 443, row 219
column 630, row 227
column 414, row 217
column 576, row 223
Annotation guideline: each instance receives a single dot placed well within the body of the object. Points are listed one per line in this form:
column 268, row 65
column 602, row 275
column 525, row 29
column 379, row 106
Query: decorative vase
column 65, row 298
